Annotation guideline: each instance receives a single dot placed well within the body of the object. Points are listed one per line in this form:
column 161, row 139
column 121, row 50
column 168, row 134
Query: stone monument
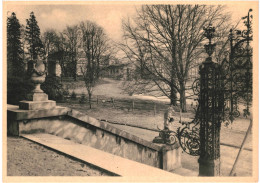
column 35, row 106
column 165, row 134
column 37, row 99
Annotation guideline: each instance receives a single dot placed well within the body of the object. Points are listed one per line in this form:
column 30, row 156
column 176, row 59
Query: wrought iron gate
column 231, row 80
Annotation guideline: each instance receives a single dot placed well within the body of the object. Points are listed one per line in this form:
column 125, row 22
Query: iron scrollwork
column 234, row 78
column 188, row 137
column 237, row 67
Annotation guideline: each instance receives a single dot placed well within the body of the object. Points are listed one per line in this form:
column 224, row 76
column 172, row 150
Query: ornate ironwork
column 168, row 136
column 220, row 88
column 209, row 34
column 188, row 137
column 237, row 66
column 211, row 102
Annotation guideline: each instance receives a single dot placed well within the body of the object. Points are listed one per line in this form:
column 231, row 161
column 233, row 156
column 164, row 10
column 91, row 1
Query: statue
column 168, row 117
column 165, row 134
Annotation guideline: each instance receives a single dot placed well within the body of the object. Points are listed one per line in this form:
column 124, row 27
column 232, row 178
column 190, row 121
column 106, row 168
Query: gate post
column 211, row 101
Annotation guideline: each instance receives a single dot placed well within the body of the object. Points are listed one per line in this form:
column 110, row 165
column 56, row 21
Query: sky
column 108, row 16
column 59, row 16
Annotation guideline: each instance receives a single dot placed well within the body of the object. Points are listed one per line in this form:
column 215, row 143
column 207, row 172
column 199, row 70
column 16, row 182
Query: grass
column 148, row 119
column 111, row 103
column 71, row 85
column 146, row 116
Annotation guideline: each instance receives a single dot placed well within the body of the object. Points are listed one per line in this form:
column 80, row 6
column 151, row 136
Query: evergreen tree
column 17, row 85
column 15, row 65
column 35, row 46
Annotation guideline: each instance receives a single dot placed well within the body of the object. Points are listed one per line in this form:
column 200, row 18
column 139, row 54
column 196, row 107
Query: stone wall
column 72, row 129
column 85, row 130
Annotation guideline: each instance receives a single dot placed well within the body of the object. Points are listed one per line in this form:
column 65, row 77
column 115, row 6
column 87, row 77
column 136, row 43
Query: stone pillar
column 211, row 102
column 37, row 99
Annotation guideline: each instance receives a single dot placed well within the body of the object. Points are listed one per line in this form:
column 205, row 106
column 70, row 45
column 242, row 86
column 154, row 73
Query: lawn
column 149, row 114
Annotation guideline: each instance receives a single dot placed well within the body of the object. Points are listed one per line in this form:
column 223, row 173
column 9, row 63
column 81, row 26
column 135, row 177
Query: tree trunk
column 89, row 99
column 98, row 68
column 173, row 76
column 183, row 97
column 142, row 70
column 47, row 66
column 75, row 71
column 173, row 96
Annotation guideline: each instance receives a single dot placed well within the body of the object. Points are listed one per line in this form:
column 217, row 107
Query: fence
column 123, row 103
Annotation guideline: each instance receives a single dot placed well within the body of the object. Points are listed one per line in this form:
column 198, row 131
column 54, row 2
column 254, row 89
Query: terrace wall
column 80, row 128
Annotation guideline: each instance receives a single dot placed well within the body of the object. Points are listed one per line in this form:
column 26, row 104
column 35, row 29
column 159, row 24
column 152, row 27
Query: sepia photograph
column 115, row 91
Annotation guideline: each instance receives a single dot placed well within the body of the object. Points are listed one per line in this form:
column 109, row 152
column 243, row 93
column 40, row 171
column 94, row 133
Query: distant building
column 117, row 71
column 81, row 64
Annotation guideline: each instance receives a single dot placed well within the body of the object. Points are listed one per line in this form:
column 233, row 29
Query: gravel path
column 25, row 158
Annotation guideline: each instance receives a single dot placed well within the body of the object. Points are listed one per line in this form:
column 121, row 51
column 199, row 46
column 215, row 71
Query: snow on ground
column 232, row 135
column 114, row 88
column 145, row 97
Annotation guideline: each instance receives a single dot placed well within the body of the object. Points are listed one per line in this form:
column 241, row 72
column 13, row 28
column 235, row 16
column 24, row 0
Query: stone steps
column 109, row 162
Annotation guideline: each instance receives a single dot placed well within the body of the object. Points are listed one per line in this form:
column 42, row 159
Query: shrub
column 66, row 92
column 17, row 89
column 73, row 96
column 82, row 99
column 54, row 88
column 119, row 77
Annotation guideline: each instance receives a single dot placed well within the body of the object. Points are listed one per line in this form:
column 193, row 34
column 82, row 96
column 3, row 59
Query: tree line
column 163, row 42
column 85, row 40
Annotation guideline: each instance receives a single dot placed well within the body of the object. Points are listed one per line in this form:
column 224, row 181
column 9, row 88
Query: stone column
column 37, row 99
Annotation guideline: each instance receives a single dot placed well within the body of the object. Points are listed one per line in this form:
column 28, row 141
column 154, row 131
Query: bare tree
column 71, row 33
column 48, row 39
column 165, row 40
column 95, row 45
column 62, row 54
column 57, row 48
